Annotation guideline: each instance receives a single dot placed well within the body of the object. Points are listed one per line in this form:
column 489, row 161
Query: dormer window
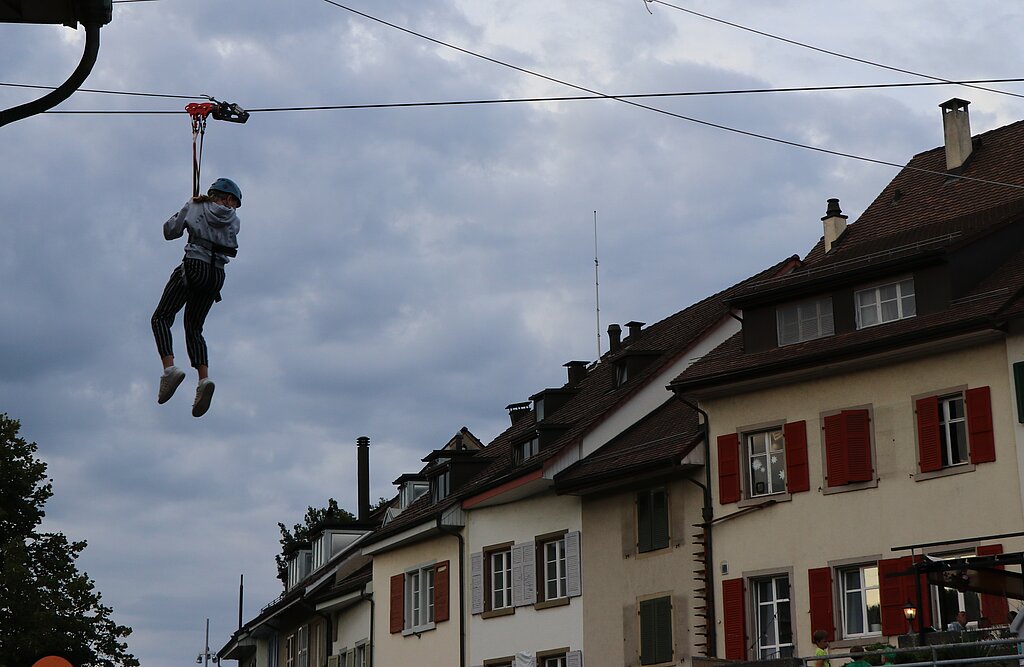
column 621, row 373
column 441, row 485
column 885, row 303
column 525, row 450
column 299, row 566
column 410, row 492
column 804, row 321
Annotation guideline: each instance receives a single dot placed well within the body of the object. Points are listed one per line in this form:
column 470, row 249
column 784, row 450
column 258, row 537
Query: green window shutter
column 656, row 631
column 1018, row 385
column 659, row 519
column 643, row 522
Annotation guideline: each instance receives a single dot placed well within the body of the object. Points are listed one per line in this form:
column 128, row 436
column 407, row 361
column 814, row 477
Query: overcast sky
column 403, row 272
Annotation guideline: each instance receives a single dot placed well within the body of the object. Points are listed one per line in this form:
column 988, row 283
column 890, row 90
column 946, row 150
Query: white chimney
column 956, row 127
column 834, row 223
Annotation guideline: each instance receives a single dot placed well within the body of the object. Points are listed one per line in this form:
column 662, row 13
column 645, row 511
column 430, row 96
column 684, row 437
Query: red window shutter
column 857, row 434
column 797, row 477
column 397, row 603
column 924, row 616
column 979, row 424
column 890, row 592
column 819, row 584
column 994, row 607
column 441, row 579
column 929, row 442
column 735, row 623
column 728, row 468
column 835, row 451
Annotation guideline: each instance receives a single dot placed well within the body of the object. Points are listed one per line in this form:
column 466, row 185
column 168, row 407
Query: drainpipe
column 369, row 598
column 328, row 640
column 707, row 515
column 462, row 588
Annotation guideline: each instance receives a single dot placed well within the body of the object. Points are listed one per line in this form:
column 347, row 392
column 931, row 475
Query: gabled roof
column 923, row 210
column 918, row 218
column 655, row 444
column 597, row 396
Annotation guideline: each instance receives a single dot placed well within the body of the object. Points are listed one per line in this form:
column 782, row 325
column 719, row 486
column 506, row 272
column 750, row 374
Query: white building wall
column 528, row 629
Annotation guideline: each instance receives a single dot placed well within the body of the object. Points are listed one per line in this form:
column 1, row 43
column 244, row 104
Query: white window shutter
column 517, row 576
column 529, row 572
column 476, row 582
column 574, row 659
column 573, row 579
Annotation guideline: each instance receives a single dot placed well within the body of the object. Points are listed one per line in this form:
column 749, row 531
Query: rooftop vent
column 517, row 411
column 577, row 372
column 956, row 127
column 634, row 330
column 614, row 337
column 834, row 223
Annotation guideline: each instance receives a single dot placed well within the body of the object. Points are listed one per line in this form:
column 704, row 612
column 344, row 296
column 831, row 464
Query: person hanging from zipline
column 195, row 284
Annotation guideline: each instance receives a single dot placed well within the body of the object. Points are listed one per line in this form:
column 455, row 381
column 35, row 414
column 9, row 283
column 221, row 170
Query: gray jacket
column 208, row 221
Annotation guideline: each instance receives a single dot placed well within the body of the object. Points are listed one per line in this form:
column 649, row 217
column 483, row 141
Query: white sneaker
column 204, row 394
column 169, row 381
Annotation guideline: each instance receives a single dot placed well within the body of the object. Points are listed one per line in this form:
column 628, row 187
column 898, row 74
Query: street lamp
column 909, row 613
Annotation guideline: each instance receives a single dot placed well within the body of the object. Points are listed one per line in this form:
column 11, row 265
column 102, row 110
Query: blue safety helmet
column 228, row 186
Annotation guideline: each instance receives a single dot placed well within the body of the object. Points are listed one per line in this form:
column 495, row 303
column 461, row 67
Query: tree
column 302, row 532
column 47, row 607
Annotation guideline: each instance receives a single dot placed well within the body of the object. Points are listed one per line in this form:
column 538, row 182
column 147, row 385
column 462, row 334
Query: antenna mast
column 597, row 290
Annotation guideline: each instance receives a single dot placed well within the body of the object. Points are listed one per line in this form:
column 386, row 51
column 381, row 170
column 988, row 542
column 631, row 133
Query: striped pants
column 194, row 285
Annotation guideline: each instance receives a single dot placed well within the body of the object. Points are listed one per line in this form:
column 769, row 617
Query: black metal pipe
column 462, row 588
column 64, row 90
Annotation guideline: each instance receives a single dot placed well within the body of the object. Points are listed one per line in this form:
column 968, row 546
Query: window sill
column 945, row 472
column 548, row 604
column 419, row 629
column 494, row 613
column 654, row 552
column 761, row 500
column 852, row 486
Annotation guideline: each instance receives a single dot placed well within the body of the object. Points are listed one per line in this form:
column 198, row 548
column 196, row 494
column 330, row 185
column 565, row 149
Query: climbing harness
column 199, row 111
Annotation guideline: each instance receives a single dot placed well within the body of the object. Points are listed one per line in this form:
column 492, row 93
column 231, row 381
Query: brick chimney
column 834, row 223
column 956, row 127
column 363, row 472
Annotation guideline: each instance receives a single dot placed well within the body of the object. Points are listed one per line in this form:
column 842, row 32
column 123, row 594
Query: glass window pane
column 870, row 577
column 909, row 306
column 868, row 316
column 866, row 298
column 907, row 288
column 854, row 613
column 890, row 311
column 887, row 293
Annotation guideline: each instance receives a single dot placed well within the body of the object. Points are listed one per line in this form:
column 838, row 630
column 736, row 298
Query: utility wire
column 563, row 98
column 825, row 51
column 706, row 123
column 111, row 92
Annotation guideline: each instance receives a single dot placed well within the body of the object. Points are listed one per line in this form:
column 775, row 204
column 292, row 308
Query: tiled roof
column 660, row 439
column 596, row 397
column 993, row 300
column 921, row 210
column 918, row 215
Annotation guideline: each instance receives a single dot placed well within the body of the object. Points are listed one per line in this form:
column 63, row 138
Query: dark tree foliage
column 47, row 607
column 302, row 532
